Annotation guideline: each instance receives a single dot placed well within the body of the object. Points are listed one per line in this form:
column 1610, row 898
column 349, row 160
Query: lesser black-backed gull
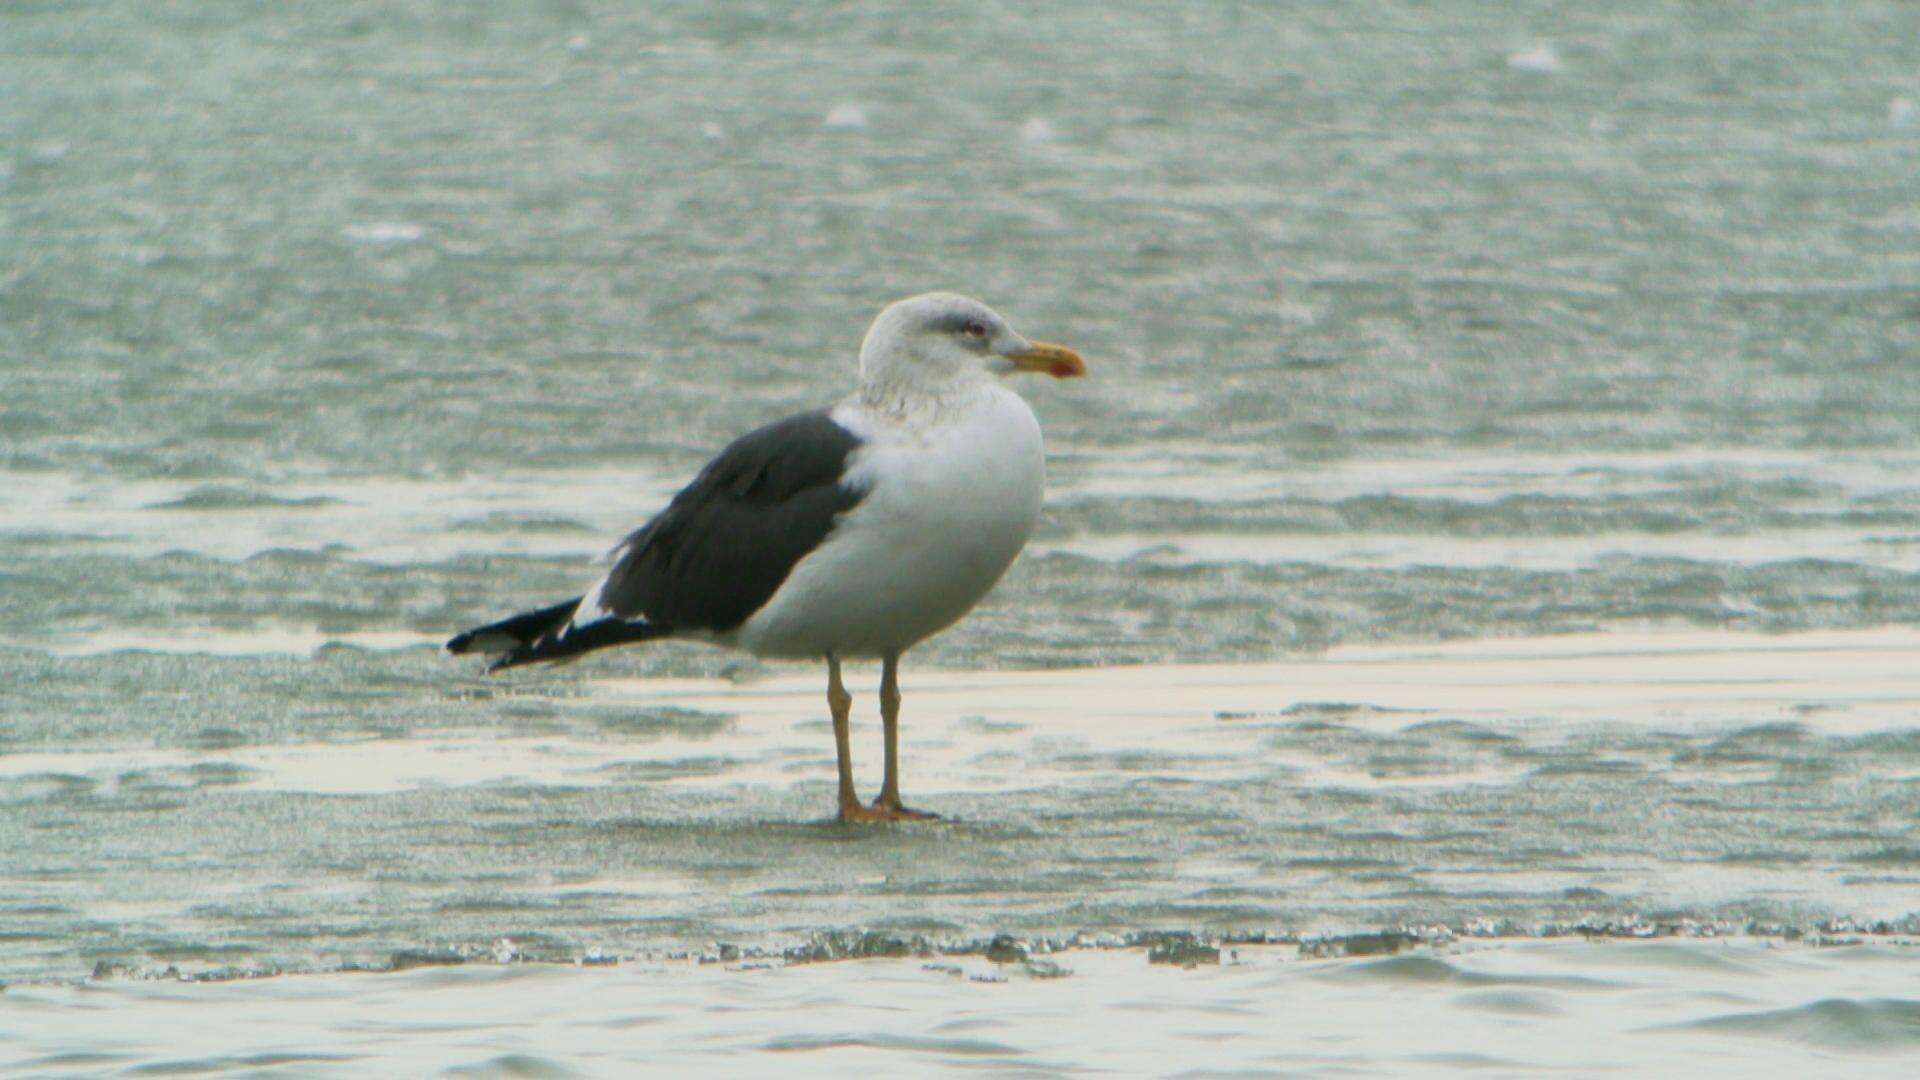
column 854, row 531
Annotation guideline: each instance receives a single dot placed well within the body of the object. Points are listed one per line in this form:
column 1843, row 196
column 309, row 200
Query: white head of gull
column 928, row 347
column 855, row 531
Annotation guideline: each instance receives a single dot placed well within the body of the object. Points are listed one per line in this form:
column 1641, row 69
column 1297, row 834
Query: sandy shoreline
column 977, row 731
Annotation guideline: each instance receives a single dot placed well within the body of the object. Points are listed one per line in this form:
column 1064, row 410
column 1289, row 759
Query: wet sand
column 995, row 731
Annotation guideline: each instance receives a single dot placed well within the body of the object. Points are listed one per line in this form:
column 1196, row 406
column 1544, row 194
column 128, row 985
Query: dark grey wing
column 718, row 552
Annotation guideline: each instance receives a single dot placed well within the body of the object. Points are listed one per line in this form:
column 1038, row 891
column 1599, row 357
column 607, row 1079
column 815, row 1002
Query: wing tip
column 481, row 641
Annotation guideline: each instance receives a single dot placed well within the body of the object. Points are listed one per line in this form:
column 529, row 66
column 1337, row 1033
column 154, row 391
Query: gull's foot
column 879, row 811
column 896, row 812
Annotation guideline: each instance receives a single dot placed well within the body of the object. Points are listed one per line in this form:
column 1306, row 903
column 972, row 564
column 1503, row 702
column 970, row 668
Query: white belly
column 948, row 510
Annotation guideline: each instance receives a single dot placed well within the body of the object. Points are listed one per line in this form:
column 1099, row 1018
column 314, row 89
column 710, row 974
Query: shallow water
column 1608, row 783
column 1492, row 512
column 1500, row 1008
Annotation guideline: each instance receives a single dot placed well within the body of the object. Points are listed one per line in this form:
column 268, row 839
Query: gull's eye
column 975, row 329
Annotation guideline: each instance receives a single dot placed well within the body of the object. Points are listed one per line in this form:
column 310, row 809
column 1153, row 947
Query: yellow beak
column 1056, row 360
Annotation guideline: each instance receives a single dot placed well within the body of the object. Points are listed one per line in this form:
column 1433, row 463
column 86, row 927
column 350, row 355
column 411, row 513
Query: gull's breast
column 947, row 510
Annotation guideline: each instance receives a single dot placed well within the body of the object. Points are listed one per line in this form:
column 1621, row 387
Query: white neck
column 912, row 389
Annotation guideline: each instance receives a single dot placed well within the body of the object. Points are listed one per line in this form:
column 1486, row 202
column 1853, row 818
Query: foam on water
column 1873, row 547
column 372, row 518
column 1231, row 474
column 195, row 641
column 1541, row 59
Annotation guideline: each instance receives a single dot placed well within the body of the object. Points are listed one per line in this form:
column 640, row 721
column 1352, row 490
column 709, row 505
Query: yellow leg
column 841, row 704
column 889, row 800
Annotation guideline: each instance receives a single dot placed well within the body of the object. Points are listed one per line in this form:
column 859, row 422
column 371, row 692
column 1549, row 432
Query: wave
column 1881, row 1025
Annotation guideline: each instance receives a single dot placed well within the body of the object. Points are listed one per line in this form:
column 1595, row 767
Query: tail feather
column 518, row 630
column 576, row 641
column 536, row 636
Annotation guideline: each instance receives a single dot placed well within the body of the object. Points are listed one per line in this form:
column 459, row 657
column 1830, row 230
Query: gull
column 851, row 532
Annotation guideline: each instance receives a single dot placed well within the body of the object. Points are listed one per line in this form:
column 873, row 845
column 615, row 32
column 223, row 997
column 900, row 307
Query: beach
column 1470, row 626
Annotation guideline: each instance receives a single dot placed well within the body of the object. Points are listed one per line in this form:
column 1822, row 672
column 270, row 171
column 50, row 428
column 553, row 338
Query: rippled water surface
column 1491, row 518
column 1658, row 1008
